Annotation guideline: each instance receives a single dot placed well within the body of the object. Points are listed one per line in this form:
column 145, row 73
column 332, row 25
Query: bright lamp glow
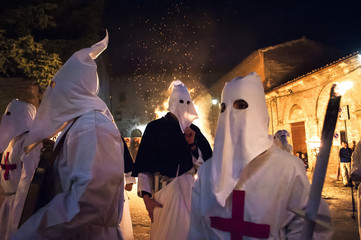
column 343, row 87
column 214, row 101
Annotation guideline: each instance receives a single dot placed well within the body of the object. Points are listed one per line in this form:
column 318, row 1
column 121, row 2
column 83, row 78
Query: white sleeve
column 198, row 161
column 298, row 200
column 129, row 178
column 145, row 182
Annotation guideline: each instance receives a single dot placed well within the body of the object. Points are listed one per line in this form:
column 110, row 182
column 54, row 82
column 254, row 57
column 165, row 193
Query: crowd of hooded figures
column 247, row 187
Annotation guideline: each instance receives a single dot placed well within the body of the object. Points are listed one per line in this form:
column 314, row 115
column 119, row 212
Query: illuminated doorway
column 298, row 137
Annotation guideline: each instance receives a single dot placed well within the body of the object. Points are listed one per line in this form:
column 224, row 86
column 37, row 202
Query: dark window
column 118, row 116
column 343, row 136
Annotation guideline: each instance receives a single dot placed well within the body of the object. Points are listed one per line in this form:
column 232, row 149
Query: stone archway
column 298, row 131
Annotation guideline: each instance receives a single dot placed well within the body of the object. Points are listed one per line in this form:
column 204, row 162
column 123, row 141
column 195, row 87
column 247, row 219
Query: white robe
column 91, row 174
column 125, row 225
column 277, row 184
column 173, row 219
column 30, row 163
column 14, row 152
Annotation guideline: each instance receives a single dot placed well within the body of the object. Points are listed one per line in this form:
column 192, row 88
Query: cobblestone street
column 337, row 196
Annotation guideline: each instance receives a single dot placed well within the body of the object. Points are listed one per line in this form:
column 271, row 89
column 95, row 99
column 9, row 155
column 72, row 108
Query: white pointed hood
column 280, row 138
column 242, row 134
column 16, row 120
column 181, row 104
column 73, row 92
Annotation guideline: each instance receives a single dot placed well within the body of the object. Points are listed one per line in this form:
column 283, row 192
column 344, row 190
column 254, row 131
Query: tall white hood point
column 16, row 120
column 181, row 104
column 73, row 92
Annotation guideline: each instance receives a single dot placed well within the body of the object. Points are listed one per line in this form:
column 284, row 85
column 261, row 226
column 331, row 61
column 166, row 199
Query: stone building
column 299, row 106
column 19, row 88
column 297, row 77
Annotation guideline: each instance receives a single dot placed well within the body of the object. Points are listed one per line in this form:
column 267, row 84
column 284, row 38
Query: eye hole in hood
column 240, row 104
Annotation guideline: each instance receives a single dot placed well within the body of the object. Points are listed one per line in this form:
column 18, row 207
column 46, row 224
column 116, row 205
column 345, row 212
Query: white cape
column 30, row 163
column 275, row 186
column 13, row 153
column 91, row 173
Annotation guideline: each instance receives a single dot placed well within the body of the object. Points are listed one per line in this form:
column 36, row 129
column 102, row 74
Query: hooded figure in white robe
column 169, row 153
column 253, row 184
column 280, row 140
column 89, row 168
column 125, row 225
column 15, row 123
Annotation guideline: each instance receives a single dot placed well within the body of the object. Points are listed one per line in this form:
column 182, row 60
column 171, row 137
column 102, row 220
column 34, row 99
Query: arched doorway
column 298, row 129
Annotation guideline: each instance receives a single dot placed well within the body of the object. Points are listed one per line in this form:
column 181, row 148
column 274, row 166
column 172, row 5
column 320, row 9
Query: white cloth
column 280, row 139
column 13, row 153
column 273, row 186
column 16, row 120
column 242, row 134
column 75, row 93
column 146, row 180
column 173, row 219
column 181, row 105
column 91, row 174
column 30, row 163
column 125, row 225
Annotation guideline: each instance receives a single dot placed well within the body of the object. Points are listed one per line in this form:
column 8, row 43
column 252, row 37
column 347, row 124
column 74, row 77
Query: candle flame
column 343, row 87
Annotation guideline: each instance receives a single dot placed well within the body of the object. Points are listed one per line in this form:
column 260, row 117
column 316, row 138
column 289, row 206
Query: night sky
column 200, row 41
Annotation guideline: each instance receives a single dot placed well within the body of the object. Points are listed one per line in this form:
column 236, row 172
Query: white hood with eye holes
column 16, row 120
column 181, row 104
column 73, row 93
column 242, row 134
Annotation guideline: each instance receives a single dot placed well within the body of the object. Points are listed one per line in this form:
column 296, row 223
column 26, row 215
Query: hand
column 150, row 204
column 189, row 135
column 128, row 187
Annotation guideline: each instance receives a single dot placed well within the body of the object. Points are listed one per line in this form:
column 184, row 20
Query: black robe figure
column 168, row 156
column 163, row 147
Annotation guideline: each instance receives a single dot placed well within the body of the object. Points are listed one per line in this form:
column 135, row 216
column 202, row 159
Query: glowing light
column 195, row 177
column 343, row 87
column 359, row 57
column 214, row 101
column 315, row 144
column 161, row 111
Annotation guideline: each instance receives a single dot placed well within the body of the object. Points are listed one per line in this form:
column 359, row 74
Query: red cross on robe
column 7, row 167
column 236, row 225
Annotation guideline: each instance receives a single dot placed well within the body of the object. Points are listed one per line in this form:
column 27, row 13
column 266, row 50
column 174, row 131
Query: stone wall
column 20, row 88
column 306, row 98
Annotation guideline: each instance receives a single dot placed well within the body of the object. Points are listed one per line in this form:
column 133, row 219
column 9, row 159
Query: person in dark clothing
column 304, row 159
column 170, row 151
column 345, row 163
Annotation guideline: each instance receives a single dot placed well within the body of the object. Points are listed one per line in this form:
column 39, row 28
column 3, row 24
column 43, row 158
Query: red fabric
column 7, row 167
column 236, row 225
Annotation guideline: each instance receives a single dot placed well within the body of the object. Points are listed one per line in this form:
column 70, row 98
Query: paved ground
column 340, row 203
column 337, row 196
